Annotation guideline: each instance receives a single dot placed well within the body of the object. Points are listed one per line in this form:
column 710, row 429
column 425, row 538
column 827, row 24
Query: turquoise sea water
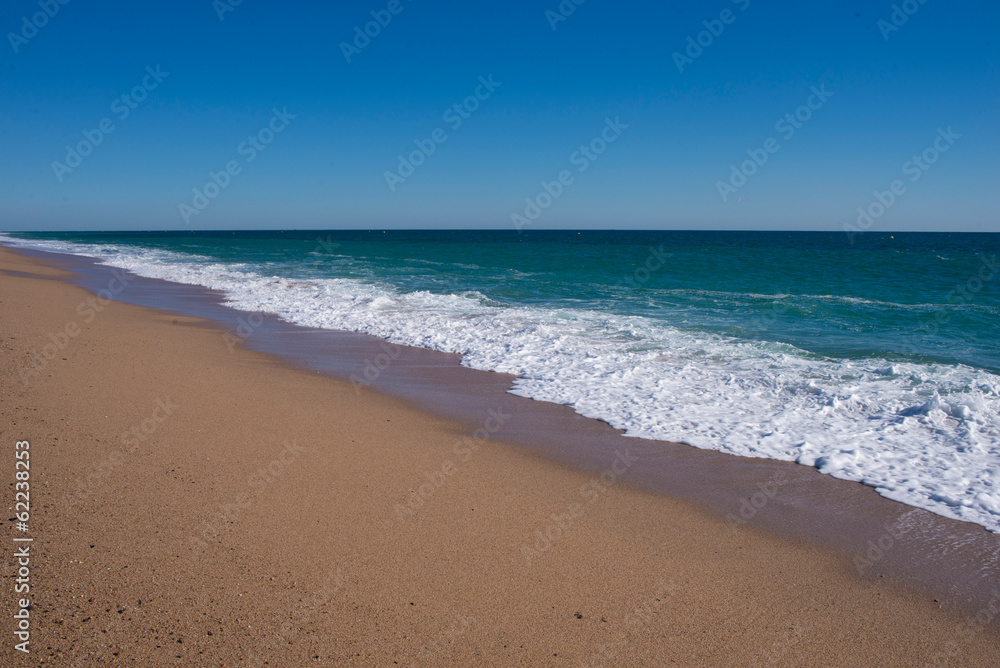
column 876, row 360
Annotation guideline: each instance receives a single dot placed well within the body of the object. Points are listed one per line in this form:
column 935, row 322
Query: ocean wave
column 923, row 434
column 835, row 299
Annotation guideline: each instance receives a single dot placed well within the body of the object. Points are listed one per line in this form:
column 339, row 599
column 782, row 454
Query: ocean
column 874, row 358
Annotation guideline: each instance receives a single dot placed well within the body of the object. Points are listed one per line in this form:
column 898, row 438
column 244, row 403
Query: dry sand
column 197, row 506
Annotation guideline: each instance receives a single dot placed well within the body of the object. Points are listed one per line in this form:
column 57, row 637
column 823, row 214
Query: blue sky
column 556, row 86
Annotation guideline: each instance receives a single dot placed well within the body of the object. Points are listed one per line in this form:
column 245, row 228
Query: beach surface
column 196, row 503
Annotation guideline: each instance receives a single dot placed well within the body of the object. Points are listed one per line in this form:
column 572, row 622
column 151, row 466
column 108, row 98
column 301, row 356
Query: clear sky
column 662, row 132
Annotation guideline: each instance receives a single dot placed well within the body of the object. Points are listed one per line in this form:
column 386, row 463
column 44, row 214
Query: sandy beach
column 196, row 503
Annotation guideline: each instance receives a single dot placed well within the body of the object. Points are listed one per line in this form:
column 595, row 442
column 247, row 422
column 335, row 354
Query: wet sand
column 198, row 503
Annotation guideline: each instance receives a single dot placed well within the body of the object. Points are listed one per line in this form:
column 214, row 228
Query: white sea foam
column 925, row 435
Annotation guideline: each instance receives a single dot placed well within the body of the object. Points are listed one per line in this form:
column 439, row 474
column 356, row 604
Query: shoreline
column 599, row 553
column 955, row 562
